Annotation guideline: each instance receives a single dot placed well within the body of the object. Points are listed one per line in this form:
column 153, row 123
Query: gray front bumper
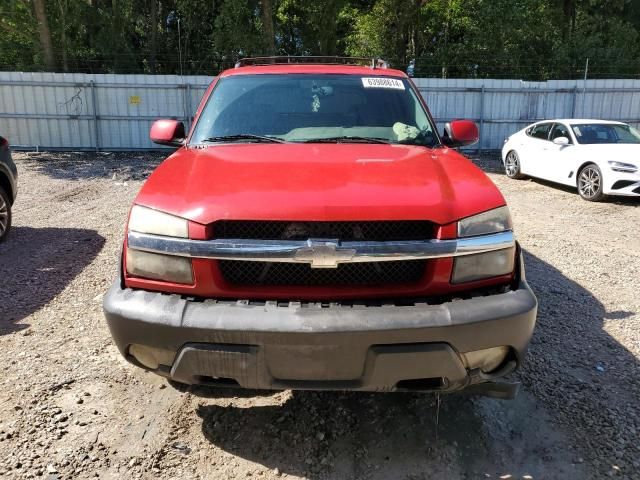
column 310, row 346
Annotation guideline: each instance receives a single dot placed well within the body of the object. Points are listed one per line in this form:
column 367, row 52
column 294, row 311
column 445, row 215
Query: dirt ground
column 71, row 407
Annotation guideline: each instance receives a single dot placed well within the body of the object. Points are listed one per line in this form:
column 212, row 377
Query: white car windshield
column 591, row 133
column 314, row 108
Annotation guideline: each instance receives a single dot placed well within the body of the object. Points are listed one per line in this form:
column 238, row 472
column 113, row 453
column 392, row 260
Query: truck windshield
column 590, row 133
column 314, row 108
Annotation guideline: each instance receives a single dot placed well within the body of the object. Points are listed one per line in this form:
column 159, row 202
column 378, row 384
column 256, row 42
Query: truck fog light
column 483, row 265
column 155, row 266
column 151, row 357
column 486, row 360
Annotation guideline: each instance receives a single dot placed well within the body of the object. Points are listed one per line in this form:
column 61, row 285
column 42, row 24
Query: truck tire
column 5, row 215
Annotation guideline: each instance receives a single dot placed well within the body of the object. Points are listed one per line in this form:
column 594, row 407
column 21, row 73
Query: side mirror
column 167, row 132
column 561, row 141
column 460, row 133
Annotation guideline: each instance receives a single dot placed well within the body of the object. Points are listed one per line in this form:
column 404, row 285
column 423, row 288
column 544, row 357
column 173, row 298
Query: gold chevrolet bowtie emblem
column 324, row 253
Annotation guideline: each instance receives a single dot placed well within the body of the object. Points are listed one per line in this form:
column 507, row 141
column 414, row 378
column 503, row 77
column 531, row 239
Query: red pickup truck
column 314, row 231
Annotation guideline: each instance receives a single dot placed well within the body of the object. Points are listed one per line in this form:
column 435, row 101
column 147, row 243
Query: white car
column 598, row 157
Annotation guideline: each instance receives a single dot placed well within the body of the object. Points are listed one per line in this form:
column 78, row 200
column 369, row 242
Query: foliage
column 529, row 39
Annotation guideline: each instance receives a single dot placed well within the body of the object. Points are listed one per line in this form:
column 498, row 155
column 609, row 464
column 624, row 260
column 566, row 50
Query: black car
column 8, row 187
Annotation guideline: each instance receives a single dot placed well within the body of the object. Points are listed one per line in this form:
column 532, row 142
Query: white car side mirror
column 561, row 141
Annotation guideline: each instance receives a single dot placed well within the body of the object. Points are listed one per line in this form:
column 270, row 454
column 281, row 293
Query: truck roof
column 313, row 65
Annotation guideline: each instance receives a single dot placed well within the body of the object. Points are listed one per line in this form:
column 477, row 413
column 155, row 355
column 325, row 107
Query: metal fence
column 53, row 111
column 502, row 107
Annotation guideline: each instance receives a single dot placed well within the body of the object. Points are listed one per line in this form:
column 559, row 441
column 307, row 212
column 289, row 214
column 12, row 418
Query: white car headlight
column 493, row 221
column 623, row 167
column 479, row 266
column 156, row 266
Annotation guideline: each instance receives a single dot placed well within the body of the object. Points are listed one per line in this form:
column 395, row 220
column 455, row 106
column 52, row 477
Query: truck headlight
column 493, row 221
column 147, row 220
column 159, row 267
column 479, row 266
column 623, row 167
column 156, row 266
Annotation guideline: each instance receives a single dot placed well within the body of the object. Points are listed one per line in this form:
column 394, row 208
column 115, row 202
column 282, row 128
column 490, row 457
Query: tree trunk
column 414, row 28
column 63, row 34
column 65, row 61
column 569, row 24
column 115, row 32
column 328, row 28
column 153, row 42
column 445, row 72
column 267, row 27
column 45, row 34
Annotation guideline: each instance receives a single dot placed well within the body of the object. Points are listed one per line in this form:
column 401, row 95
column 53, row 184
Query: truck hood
column 319, row 182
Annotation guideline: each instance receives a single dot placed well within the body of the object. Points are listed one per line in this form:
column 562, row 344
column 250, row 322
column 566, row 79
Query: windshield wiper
column 347, row 139
column 243, row 136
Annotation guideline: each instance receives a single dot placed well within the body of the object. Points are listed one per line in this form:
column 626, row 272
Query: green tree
column 389, row 29
column 529, row 39
column 237, row 29
column 311, row 27
column 19, row 44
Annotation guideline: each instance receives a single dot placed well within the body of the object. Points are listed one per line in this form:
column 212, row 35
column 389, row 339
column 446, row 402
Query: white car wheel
column 512, row 165
column 590, row 183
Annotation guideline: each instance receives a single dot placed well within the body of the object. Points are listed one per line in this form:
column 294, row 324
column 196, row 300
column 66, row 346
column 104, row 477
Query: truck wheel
column 512, row 166
column 590, row 183
column 5, row 214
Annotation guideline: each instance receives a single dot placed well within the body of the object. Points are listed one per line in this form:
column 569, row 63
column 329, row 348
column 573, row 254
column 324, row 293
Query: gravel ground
column 70, row 407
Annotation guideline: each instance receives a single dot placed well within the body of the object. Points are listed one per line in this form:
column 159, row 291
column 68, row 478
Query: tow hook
column 494, row 389
column 488, row 385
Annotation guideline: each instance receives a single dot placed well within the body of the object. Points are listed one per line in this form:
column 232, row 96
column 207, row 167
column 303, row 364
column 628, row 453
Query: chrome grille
column 382, row 231
column 300, row 274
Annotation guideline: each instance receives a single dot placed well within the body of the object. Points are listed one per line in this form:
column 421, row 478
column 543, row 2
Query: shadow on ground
column 382, row 436
column 631, row 201
column 36, row 264
column 119, row 166
column 575, row 374
column 586, row 376
column 203, row 391
column 489, row 161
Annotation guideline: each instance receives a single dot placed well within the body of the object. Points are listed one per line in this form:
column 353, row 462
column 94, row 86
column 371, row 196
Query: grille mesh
column 301, row 274
column 382, row 231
